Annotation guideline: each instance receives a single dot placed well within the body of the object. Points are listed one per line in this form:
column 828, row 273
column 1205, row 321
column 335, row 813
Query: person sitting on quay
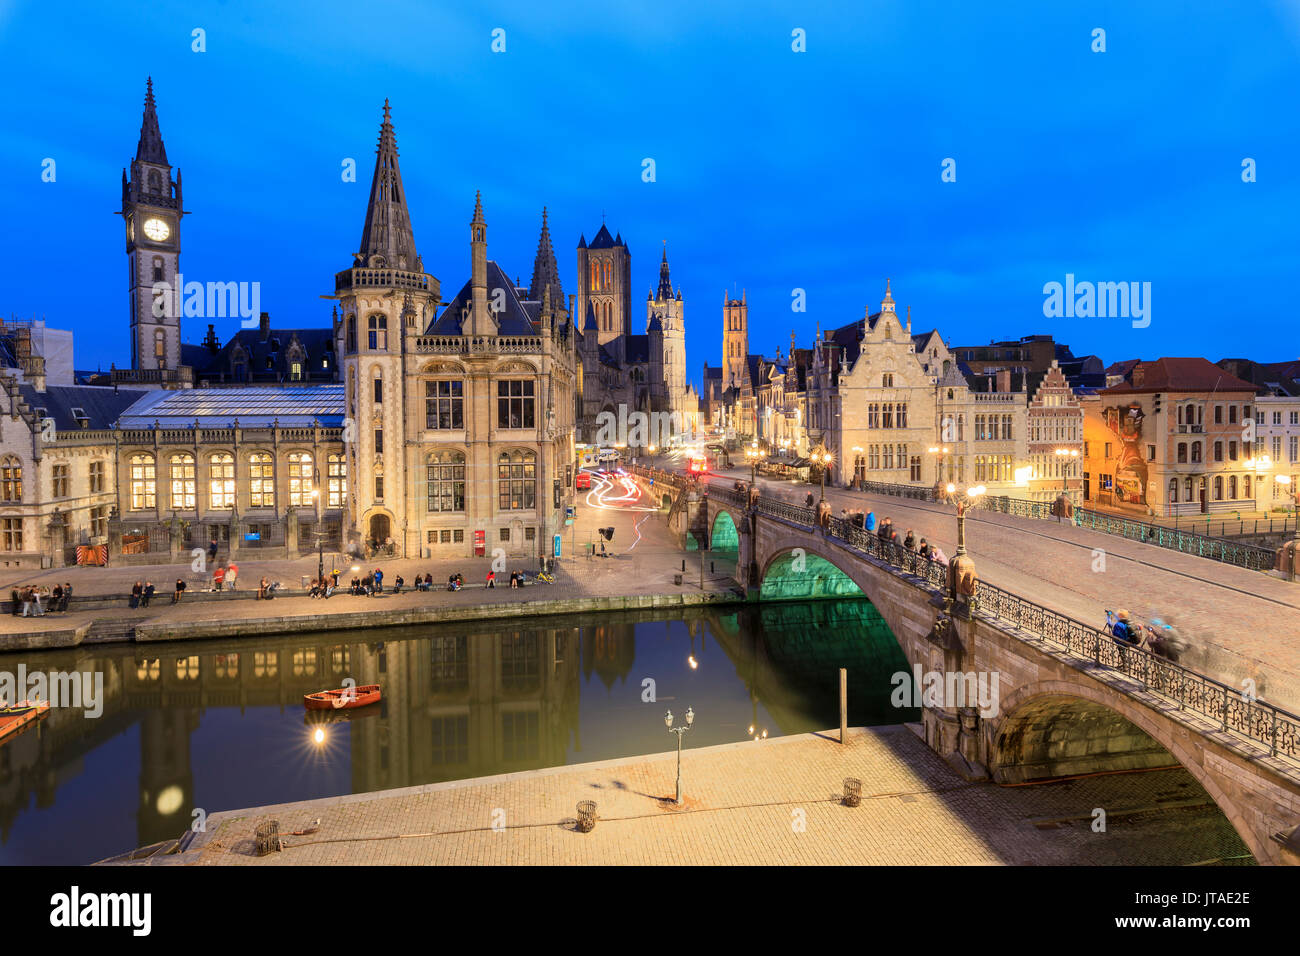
column 315, row 588
column 428, row 581
column 232, row 573
column 261, row 588
column 180, row 590
column 148, row 594
column 356, row 587
column 136, row 591
column 218, row 578
column 397, row 584
column 452, row 583
column 491, row 578
column 56, row 598
column 67, row 595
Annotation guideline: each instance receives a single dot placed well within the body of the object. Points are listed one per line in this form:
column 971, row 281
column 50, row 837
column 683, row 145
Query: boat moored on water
column 363, row 695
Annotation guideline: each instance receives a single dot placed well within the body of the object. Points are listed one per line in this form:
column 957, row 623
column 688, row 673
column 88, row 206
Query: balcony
column 380, row 279
column 480, row 344
column 1191, row 429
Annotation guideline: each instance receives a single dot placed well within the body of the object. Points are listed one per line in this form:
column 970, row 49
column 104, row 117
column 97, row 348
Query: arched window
column 160, row 346
column 350, row 344
column 1218, row 487
column 261, row 484
column 887, row 380
column 1246, row 487
column 336, row 475
column 446, row 475
column 377, row 330
column 1173, row 491
column 1187, row 489
column 1182, row 452
column 11, row 479
column 300, row 479
column 221, row 480
column 155, row 182
column 182, row 475
column 516, row 480
column 159, row 270
column 1232, row 487
column 144, row 483
column 1196, row 451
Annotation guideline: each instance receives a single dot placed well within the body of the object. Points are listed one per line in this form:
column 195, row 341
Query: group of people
column 142, row 593
column 34, row 600
column 1160, row 641
column 225, row 577
column 888, row 534
column 517, row 579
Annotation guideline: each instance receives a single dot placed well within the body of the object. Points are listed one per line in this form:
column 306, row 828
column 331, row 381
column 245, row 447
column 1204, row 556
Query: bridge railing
column 1249, row 556
column 1277, row 729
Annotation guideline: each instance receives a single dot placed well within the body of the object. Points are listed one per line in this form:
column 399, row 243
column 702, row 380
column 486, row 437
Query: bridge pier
column 952, row 723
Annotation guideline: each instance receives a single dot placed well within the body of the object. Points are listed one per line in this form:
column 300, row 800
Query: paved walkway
column 644, row 560
column 774, row 802
column 1241, row 623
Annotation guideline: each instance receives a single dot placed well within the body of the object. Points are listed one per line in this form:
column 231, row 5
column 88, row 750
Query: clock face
column 156, row 229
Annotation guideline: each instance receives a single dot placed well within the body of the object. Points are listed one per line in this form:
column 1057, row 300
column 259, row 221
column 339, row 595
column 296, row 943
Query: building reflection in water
column 458, row 702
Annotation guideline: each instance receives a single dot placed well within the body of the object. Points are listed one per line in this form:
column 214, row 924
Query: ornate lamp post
column 1066, row 455
column 754, row 455
column 940, row 453
column 320, row 533
column 1289, row 553
column 668, row 722
column 961, row 569
column 823, row 460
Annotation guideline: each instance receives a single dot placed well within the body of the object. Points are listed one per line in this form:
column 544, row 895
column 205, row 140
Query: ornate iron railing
column 1248, row 556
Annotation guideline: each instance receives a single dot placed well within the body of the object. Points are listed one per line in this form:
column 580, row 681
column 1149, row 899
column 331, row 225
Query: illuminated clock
column 156, row 229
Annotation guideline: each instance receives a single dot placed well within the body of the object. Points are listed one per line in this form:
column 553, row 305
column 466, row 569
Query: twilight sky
column 775, row 170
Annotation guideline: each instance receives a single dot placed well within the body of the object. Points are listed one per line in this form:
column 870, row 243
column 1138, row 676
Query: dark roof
column 603, row 240
column 102, row 405
column 1122, row 368
column 266, row 352
column 1269, row 378
column 1180, row 375
column 636, row 351
column 513, row 319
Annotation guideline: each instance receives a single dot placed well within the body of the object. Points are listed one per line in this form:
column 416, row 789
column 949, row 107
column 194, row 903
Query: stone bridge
column 1067, row 700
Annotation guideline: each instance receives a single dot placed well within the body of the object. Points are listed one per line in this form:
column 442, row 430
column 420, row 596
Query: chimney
column 1004, row 380
column 264, row 325
column 1138, row 375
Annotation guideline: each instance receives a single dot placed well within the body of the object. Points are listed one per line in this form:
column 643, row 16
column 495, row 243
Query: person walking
column 232, row 573
column 218, row 578
column 25, row 596
column 180, row 590
column 147, row 595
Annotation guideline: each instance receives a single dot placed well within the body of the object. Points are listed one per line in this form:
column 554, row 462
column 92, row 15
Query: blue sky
column 775, row 170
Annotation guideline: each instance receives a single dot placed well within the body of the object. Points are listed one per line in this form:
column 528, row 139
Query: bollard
column 844, row 702
column 586, row 816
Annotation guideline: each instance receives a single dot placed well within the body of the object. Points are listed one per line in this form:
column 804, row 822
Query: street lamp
column 941, row 455
column 1292, row 546
column 754, row 454
column 1066, row 455
column 963, row 500
column 823, row 459
column 668, row 722
column 320, row 535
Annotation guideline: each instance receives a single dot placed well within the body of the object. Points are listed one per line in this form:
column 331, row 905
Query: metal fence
column 1248, row 556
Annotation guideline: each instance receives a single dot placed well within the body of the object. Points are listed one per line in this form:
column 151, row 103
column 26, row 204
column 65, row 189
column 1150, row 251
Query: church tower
column 386, row 300
column 605, row 281
column 152, row 211
column 735, row 340
column 668, row 307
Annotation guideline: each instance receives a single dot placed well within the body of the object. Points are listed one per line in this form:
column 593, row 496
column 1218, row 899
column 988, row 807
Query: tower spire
column 387, row 232
column 665, row 284
column 150, row 148
column 546, row 274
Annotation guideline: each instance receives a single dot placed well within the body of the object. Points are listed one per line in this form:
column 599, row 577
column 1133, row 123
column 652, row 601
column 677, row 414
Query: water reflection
column 220, row 725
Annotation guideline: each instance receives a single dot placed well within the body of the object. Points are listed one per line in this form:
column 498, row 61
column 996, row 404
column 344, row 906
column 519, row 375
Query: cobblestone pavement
column 770, row 802
column 1240, row 623
column 644, row 558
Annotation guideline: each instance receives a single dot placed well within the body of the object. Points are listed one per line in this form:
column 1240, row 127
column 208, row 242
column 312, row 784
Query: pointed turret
column 665, row 284
column 387, row 240
column 546, row 274
column 887, row 303
column 150, row 148
column 479, row 319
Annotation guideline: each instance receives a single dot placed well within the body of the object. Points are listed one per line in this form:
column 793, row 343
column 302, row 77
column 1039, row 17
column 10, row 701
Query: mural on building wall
column 1128, row 467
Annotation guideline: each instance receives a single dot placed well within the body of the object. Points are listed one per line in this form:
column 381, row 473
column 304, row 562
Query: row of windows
column 994, row 468
column 1058, row 429
column 600, row 276
column 987, row 429
column 1277, row 418
column 181, row 486
column 11, row 479
column 1218, row 486
column 11, row 529
column 376, row 333
column 887, row 415
column 444, row 404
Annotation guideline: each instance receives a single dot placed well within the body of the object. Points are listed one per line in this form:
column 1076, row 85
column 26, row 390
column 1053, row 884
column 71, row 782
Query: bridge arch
column 723, row 534
column 1050, row 729
column 796, row 574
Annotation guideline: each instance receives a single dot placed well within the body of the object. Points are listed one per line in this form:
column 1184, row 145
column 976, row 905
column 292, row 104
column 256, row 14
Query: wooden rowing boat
column 17, row 718
column 362, row 695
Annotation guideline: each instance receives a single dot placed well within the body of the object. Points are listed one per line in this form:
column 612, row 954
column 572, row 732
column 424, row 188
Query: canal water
column 195, row 728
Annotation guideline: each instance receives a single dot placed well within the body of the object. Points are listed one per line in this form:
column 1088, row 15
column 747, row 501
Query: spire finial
column 150, row 148
column 387, row 111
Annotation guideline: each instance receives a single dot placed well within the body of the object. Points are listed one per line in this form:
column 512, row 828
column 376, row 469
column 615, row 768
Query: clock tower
column 152, row 211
